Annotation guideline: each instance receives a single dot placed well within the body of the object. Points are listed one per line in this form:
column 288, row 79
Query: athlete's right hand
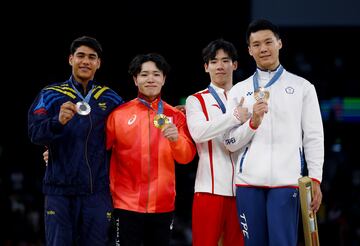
column 171, row 132
column 241, row 113
column 259, row 110
column 46, row 156
column 67, row 112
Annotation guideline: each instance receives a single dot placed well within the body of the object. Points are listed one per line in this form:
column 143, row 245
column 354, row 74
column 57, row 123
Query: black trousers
column 141, row 229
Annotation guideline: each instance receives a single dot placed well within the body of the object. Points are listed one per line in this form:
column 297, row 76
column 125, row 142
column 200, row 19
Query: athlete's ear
column 206, row 67
column 235, row 65
column 250, row 52
column 280, row 44
column 135, row 80
column 71, row 60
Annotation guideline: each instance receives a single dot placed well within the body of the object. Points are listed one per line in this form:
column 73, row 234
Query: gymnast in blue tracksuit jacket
column 76, row 183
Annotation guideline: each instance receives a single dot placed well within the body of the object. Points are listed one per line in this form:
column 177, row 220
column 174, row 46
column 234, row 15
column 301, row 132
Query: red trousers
column 214, row 218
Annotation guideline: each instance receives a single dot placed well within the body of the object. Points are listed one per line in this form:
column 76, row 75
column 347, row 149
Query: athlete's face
column 150, row 80
column 264, row 47
column 84, row 62
column 221, row 70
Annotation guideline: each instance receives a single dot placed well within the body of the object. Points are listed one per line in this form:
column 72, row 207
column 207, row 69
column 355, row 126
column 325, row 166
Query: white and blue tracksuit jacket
column 273, row 154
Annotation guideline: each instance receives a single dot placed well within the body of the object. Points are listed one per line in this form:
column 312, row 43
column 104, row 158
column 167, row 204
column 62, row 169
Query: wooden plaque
column 308, row 217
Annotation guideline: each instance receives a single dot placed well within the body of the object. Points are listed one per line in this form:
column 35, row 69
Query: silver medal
column 83, row 108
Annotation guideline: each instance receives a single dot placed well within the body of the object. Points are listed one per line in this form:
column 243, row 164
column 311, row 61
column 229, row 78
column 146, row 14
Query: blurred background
column 320, row 43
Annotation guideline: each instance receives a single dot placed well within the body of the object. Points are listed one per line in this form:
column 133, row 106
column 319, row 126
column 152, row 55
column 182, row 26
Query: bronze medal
column 261, row 94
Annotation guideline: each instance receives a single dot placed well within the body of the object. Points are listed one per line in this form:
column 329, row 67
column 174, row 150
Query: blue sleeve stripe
column 47, row 100
column 49, row 96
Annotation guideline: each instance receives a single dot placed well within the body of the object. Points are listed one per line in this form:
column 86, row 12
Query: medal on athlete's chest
column 83, row 108
column 160, row 121
column 262, row 94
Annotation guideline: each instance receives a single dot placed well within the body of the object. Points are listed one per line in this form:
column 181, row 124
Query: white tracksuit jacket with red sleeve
column 207, row 124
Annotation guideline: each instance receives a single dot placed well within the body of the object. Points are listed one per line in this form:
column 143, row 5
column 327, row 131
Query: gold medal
column 160, row 120
column 261, row 94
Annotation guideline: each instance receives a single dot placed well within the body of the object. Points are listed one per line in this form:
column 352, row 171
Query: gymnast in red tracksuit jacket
column 147, row 136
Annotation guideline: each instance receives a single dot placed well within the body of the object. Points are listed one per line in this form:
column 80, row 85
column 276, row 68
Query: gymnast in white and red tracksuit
column 214, row 205
column 272, row 146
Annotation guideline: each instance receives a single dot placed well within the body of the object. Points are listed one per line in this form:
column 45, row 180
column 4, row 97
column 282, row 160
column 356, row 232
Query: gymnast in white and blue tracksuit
column 271, row 156
column 284, row 133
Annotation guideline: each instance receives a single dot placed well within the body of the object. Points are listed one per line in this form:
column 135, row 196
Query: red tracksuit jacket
column 142, row 166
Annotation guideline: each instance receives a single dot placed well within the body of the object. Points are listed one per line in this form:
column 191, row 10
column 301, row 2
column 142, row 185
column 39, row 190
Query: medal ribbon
column 217, row 98
column 88, row 95
column 272, row 81
column 160, row 105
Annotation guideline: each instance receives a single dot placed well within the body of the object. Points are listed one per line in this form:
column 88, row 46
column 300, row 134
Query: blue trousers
column 268, row 216
column 78, row 220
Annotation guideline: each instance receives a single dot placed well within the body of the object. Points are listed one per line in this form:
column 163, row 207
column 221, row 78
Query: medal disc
column 83, row 108
column 160, row 120
column 261, row 94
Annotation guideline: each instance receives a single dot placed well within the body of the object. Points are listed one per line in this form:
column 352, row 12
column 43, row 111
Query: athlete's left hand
column 316, row 201
column 170, row 131
column 46, row 156
column 181, row 108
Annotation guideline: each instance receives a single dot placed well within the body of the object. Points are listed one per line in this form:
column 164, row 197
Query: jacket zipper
column 86, row 155
column 232, row 175
column 149, row 163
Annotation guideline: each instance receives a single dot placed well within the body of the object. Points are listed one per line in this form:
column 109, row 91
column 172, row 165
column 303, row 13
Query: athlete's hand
column 259, row 110
column 46, row 156
column 67, row 112
column 316, row 201
column 241, row 113
column 181, row 108
column 170, row 132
